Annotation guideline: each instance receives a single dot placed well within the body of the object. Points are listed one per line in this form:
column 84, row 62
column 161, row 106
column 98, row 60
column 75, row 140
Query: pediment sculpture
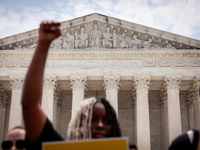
column 104, row 33
column 103, row 38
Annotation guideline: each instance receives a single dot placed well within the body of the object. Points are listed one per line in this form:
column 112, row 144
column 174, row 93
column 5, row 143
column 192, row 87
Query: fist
column 49, row 30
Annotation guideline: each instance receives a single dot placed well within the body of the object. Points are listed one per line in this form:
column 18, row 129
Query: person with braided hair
column 87, row 124
column 94, row 118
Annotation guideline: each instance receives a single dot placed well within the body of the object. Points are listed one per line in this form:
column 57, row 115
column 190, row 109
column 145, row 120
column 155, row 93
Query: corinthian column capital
column 193, row 91
column 173, row 82
column 141, row 81
column 49, row 82
column 196, row 84
column 16, row 82
column 78, row 82
column 197, row 79
column 111, row 82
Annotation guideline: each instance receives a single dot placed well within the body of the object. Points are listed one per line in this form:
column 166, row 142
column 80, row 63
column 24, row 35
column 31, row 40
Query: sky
column 176, row 16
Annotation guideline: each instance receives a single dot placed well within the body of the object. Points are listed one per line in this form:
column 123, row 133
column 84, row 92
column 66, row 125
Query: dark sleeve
column 196, row 139
column 182, row 142
column 48, row 134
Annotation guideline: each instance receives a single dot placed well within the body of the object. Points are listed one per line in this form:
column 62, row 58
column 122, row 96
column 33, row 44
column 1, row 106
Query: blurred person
column 187, row 141
column 95, row 118
column 15, row 139
column 133, row 147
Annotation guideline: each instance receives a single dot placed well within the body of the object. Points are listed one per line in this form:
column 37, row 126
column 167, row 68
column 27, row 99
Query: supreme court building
column 151, row 77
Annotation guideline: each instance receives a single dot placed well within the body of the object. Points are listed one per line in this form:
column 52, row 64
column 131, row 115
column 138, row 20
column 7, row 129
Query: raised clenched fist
column 48, row 31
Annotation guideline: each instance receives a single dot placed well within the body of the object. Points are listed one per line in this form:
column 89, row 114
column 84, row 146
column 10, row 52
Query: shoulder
column 182, row 142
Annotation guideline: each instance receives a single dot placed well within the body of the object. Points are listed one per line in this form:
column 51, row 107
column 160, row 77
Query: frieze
column 108, row 54
column 104, row 63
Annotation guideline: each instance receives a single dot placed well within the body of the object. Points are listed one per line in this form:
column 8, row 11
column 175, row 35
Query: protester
column 95, row 118
column 15, row 139
column 187, row 141
column 133, row 147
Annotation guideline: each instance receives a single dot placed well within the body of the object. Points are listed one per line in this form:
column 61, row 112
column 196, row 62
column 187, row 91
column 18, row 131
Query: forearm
column 33, row 84
column 34, row 117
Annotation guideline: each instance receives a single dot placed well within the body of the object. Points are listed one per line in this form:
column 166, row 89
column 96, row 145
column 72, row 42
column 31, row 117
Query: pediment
column 96, row 31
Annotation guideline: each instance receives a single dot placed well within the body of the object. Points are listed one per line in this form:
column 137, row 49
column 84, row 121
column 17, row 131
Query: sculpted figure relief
column 114, row 39
column 135, row 42
column 33, row 45
column 170, row 46
column 95, row 38
column 108, row 38
column 122, row 42
column 68, row 41
column 81, row 39
column 57, row 43
column 148, row 44
column 18, row 46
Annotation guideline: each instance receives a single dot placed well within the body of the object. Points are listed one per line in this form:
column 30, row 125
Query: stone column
column 15, row 117
column 189, row 100
column 111, row 87
column 141, row 83
column 4, row 103
column 196, row 101
column 48, row 96
column 79, row 84
column 191, row 116
column 164, row 116
column 57, row 107
column 174, row 114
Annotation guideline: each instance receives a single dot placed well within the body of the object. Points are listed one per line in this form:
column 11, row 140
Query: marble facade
column 151, row 77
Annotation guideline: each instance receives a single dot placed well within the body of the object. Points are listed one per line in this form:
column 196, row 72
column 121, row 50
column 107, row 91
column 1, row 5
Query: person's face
column 82, row 30
column 101, row 123
column 15, row 135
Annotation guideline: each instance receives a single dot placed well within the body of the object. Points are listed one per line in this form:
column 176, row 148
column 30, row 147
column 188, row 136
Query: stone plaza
column 150, row 77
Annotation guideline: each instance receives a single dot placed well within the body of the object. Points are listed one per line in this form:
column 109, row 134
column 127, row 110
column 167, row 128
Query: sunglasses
column 20, row 144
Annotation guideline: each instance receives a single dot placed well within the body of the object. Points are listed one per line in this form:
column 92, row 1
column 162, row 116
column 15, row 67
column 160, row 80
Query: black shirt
column 182, row 142
column 48, row 134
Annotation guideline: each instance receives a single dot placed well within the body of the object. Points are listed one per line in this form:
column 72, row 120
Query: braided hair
column 80, row 125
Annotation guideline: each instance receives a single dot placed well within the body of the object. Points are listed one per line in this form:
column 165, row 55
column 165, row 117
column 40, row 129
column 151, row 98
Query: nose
column 100, row 124
column 13, row 147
